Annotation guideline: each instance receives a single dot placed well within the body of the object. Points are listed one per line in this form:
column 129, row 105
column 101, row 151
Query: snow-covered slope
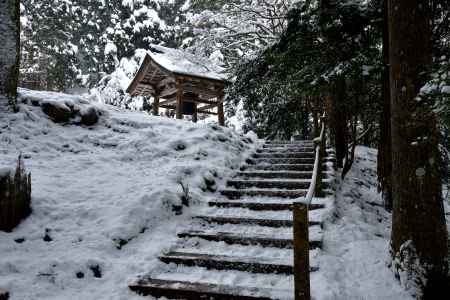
column 106, row 198
column 354, row 262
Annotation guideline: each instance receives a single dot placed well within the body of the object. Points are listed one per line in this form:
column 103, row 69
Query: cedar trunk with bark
column 9, row 49
column 419, row 233
column 338, row 121
column 384, row 147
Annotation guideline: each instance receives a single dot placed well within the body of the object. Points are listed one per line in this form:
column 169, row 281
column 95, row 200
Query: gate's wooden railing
column 301, row 222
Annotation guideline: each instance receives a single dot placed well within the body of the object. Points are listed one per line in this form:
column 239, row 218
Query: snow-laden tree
column 229, row 31
column 80, row 41
column 9, row 50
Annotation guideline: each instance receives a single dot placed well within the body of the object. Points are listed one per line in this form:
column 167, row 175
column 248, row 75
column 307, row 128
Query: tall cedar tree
column 419, row 234
column 9, row 49
column 384, row 146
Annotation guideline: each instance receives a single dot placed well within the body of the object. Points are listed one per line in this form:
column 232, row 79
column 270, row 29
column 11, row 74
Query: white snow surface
column 119, row 181
column 354, row 260
column 93, row 187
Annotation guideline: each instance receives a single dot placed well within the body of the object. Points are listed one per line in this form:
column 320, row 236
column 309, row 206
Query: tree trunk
column 9, row 50
column 419, row 233
column 338, row 121
column 384, row 147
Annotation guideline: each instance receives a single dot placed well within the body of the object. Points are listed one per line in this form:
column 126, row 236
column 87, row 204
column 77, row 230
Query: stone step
column 241, row 239
column 259, row 206
column 278, row 167
column 269, row 150
column 173, row 289
column 289, row 142
column 238, row 193
column 284, row 155
column 250, row 221
column 224, row 262
column 269, row 183
column 293, row 148
column 255, row 161
column 276, row 174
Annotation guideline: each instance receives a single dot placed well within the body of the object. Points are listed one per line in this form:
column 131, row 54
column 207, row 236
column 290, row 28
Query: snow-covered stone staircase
column 240, row 246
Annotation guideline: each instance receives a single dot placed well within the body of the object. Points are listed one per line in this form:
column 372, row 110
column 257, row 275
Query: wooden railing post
column 301, row 252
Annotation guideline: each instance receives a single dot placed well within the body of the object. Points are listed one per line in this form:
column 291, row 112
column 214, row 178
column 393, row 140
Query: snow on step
column 278, row 160
column 227, row 262
column 265, row 240
column 285, row 150
column 193, row 290
column 283, row 256
column 314, row 215
column 249, row 221
column 276, row 174
column 278, row 167
column 289, row 154
column 269, row 183
column 274, row 286
column 282, row 193
column 274, row 206
column 290, row 147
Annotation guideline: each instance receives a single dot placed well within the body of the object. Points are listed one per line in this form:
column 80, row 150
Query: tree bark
column 384, row 147
column 419, row 234
column 338, row 121
column 9, row 50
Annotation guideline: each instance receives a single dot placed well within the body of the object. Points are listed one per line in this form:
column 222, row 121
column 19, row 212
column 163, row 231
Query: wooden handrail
column 301, row 223
column 318, row 141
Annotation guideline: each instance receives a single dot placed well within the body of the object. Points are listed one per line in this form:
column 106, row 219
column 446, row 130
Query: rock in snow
column 62, row 108
column 57, row 111
column 89, row 116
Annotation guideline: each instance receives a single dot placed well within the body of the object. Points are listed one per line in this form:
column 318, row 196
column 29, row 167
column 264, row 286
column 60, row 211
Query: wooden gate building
column 181, row 81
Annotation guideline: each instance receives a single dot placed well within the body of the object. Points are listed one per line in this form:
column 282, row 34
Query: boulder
column 57, row 111
column 89, row 116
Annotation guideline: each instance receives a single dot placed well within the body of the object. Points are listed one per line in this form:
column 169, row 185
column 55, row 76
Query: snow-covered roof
column 184, row 63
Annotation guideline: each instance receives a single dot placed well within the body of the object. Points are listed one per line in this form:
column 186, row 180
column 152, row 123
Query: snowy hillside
column 106, row 198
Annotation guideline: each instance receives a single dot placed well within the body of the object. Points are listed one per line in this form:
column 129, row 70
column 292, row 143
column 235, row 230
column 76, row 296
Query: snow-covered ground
column 354, row 261
column 97, row 189
column 106, row 202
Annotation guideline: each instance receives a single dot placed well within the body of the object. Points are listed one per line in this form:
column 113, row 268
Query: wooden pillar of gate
column 195, row 113
column 156, row 105
column 220, row 111
column 179, row 104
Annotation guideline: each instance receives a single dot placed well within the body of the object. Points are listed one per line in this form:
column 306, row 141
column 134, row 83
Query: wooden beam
column 202, row 92
column 168, row 106
column 196, row 100
column 139, row 76
column 206, row 112
column 209, row 106
column 169, row 93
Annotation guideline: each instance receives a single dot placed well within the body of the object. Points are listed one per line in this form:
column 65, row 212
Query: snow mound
column 106, row 199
